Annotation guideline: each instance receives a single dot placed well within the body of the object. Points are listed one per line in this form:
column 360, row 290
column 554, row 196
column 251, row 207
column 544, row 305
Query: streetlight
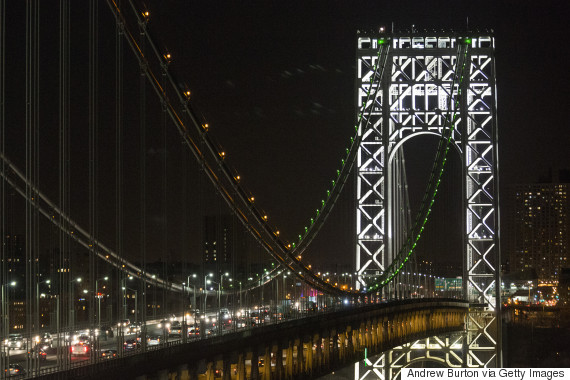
column 529, row 284
column 205, row 290
column 38, row 300
column 220, row 288
column 5, row 354
column 194, row 294
column 184, row 321
column 125, row 288
column 72, row 303
column 99, row 301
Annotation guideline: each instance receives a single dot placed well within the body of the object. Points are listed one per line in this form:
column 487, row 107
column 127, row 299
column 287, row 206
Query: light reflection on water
column 375, row 367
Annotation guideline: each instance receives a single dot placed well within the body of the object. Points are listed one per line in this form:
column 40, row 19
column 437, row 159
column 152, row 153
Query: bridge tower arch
column 412, row 98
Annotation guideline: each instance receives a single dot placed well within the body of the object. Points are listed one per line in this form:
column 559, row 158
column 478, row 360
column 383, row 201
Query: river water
column 433, row 352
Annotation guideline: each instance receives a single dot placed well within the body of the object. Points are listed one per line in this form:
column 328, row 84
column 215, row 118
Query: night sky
column 275, row 82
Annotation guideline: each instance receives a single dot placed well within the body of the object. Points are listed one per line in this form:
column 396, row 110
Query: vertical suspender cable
column 164, row 201
column 184, row 245
column 93, row 129
column 63, row 273
column 142, row 121
column 121, row 311
column 32, row 162
column 5, row 322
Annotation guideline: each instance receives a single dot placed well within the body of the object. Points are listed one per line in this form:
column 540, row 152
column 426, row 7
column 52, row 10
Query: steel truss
column 446, row 351
column 473, row 348
column 413, row 100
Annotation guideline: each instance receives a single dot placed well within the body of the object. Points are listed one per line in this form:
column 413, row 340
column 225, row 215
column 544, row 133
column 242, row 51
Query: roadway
column 205, row 326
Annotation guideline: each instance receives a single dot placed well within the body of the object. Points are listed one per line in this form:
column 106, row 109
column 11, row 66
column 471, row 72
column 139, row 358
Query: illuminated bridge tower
column 413, row 99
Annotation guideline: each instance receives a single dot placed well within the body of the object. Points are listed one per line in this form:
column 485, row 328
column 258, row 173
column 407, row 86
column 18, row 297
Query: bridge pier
column 182, row 372
column 209, row 374
column 309, row 357
column 299, row 366
column 240, row 367
column 254, row 371
column 226, row 367
column 279, row 370
column 289, row 362
column 326, row 351
column 163, row 375
column 267, row 363
column 318, row 353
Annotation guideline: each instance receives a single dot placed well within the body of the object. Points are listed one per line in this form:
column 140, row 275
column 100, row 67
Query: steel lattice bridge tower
column 441, row 84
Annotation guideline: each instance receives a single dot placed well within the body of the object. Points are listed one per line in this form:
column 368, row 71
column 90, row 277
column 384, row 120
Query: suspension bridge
column 109, row 172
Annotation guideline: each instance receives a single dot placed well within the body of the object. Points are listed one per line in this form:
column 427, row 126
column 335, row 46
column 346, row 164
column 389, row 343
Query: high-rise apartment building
column 539, row 229
column 218, row 242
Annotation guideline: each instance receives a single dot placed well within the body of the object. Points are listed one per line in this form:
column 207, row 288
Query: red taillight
column 84, row 349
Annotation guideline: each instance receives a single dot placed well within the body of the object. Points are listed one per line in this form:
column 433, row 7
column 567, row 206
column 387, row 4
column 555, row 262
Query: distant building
column 219, row 242
column 538, row 228
column 564, row 287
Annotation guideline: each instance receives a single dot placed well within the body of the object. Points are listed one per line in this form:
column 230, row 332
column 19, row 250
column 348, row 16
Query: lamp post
column 194, row 286
column 6, row 320
column 136, row 301
column 184, row 321
column 99, row 301
column 206, row 290
column 124, row 287
column 529, row 284
column 72, row 303
column 220, row 288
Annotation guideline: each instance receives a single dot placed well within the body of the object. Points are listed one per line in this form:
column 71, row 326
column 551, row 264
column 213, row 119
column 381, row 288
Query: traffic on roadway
column 51, row 352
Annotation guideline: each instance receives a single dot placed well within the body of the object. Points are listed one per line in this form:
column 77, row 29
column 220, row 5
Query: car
column 164, row 324
column 106, row 331
column 153, row 340
column 15, row 370
column 83, row 339
column 134, row 328
column 15, row 342
column 108, row 354
column 195, row 313
column 123, row 326
column 193, row 331
column 130, row 344
column 80, row 349
column 175, row 331
column 42, row 355
column 45, row 341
